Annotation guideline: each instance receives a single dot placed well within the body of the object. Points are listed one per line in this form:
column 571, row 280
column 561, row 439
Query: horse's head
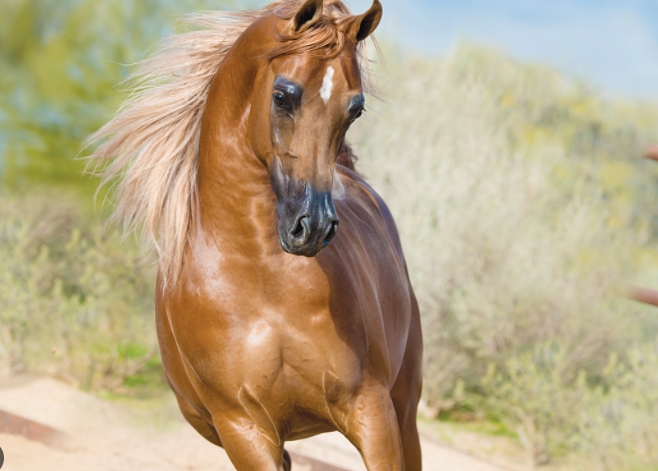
column 302, row 107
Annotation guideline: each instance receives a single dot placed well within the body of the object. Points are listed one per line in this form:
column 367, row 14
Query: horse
column 284, row 307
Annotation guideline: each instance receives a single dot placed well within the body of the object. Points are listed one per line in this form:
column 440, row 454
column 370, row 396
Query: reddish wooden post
column 652, row 152
column 645, row 295
column 16, row 425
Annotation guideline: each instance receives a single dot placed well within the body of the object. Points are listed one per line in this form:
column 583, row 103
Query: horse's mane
column 152, row 142
column 347, row 157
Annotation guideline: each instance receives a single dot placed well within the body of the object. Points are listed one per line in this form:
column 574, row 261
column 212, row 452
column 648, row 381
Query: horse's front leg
column 372, row 427
column 249, row 446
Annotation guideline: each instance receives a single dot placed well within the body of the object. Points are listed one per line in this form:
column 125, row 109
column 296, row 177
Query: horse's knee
column 249, row 451
column 372, row 427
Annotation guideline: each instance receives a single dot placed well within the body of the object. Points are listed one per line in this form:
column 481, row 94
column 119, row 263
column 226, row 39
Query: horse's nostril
column 331, row 234
column 298, row 229
column 301, row 230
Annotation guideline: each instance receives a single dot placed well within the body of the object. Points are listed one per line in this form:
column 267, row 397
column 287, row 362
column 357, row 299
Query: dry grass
column 74, row 301
column 525, row 212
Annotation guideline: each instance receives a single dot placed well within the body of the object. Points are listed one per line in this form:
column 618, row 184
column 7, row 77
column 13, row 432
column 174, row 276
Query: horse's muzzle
column 307, row 224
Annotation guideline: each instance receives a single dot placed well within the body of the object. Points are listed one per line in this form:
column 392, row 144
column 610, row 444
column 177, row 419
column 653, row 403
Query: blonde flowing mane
column 152, row 143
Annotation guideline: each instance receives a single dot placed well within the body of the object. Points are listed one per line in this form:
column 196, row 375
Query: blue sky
column 613, row 44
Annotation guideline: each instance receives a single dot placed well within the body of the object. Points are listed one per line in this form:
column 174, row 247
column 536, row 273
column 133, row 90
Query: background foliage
column 62, row 63
column 526, row 213
column 524, row 207
column 74, row 301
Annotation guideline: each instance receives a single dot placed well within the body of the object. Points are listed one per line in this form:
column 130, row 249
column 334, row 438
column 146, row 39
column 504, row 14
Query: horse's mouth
column 307, row 224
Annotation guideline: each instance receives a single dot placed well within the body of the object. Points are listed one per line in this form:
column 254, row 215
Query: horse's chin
column 307, row 250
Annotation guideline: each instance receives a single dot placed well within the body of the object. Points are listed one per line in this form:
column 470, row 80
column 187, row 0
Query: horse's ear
column 366, row 24
column 309, row 14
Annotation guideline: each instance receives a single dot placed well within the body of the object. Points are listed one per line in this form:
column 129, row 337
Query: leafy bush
column 62, row 62
column 526, row 212
column 74, row 302
column 524, row 209
column 614, row 421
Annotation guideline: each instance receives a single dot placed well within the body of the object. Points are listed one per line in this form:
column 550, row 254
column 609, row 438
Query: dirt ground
column 113, row 436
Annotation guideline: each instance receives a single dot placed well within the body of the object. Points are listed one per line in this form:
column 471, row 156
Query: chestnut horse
column 284, row 308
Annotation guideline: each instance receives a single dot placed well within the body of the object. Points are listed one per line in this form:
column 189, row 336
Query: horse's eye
column 279, row 99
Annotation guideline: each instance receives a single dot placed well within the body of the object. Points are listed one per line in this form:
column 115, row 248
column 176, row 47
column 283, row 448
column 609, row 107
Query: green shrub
column 523, row 204
column 74, row 301
column 614, row 420
column 525, row 211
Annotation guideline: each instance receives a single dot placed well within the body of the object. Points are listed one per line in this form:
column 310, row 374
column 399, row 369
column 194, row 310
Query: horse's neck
column 237, row 207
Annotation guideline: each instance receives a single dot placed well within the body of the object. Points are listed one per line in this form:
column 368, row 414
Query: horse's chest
column 290, row 342
column 282, row 360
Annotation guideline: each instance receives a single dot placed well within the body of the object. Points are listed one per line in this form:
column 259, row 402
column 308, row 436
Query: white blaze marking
column 327, row 85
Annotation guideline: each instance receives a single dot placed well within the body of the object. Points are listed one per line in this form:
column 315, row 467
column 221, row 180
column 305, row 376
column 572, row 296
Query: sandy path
column 107, row 436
